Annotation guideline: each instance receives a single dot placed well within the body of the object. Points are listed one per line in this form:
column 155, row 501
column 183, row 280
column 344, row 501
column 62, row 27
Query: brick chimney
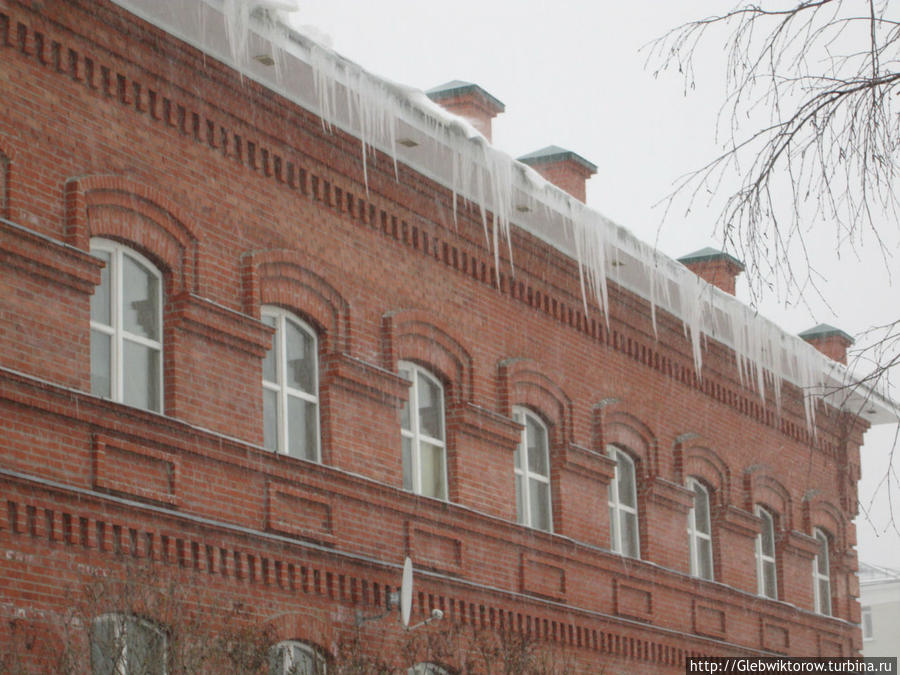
column 468, row 101
column 715, row 267
column 831, row 341
column 563, row 168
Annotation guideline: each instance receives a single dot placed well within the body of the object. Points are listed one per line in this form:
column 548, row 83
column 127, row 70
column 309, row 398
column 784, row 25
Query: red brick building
column 251, row 367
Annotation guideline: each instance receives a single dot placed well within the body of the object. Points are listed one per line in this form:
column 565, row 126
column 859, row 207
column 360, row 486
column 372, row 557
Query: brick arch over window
column 417, row 335
column 626, row 431
column 521, row 382
column 762, row 488
column 707, row 466
column 312, row 626
column 820, row 513
column 119, row 208
column 279, row 277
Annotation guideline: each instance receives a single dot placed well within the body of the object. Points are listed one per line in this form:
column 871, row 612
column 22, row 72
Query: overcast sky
column 573, row 74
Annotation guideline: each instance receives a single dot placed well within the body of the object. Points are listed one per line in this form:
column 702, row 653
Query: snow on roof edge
column 380, row 113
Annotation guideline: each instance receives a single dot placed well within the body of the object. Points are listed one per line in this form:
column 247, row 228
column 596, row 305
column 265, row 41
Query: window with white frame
column 123, row 644
column 428, row 669
column 532, row 472
column 822, row 574
column 423, row 437
column 292, row 657
column 291, row 387
column 623, row 512
column 766, row 576
column 700, row 531
column 868, row 632
column 126, row 328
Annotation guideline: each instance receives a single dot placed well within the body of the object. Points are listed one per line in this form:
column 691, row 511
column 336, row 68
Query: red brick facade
column 112, row 128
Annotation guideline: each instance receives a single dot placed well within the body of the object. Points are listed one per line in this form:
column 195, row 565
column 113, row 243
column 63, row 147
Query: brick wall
column 115, row 129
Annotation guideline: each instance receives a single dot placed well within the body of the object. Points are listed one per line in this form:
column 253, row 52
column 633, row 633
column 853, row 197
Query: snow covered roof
column 254, row 38
column 875, row 574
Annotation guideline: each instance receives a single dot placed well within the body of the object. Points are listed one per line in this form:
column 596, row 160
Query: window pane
column 404, row 414
column 100, row 364
column 407, row 463
column 145, row 650
column 270, row 372
column 768, row 535
column 537, row 446
column 106, row 646
column 520, row 510
column 769, row 579
column 822, row 556
column 431, row 404
column 299, row 661
column 704, row 559
column 140, row 299
column 100, row 300
column 300, row 370
column 270, row 419
column 302, row 428
column 867, row 626
column 625, row 471
column 629, row 534
column 540, row 504
column 614, row 531
column 824, row 596
column 141, row 375
column 432, row 470
column 701, row 509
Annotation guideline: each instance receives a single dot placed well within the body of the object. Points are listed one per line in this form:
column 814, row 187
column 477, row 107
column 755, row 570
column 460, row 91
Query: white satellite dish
column 406, row 592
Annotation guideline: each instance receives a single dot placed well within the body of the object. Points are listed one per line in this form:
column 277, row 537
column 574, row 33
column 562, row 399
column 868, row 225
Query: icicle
column 764, row 354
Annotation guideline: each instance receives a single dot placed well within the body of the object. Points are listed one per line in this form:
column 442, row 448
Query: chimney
column 715, row 267
column 831, row 341
column 468, row 101
column 563, row 168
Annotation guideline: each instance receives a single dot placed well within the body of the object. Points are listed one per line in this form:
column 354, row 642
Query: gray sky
column 571, row 74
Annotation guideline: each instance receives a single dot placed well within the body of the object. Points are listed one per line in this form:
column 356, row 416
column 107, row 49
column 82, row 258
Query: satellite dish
column 406, row 592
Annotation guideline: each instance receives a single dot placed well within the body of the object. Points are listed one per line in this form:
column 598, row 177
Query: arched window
column 291, row 387
column 532, row 472
column 700, row 532
column 428, row 669
column 623, row 512
column 423, row 436
column 766, row 575
column 122, row 644
column 822, row 574
column 292, row 657
column 126, row 328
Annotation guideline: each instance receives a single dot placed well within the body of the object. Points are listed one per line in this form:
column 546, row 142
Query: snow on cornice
column 254, row 38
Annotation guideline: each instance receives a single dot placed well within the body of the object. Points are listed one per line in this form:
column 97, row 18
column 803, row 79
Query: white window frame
column 696, row 535
column 116, row 332
column 525, row 473
column 414, row 433
column 866, row 624
column 618, row 510
column 765, row 562
column 126, row 629
column 289, row 647
column 284, row 392
column 822, row 604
